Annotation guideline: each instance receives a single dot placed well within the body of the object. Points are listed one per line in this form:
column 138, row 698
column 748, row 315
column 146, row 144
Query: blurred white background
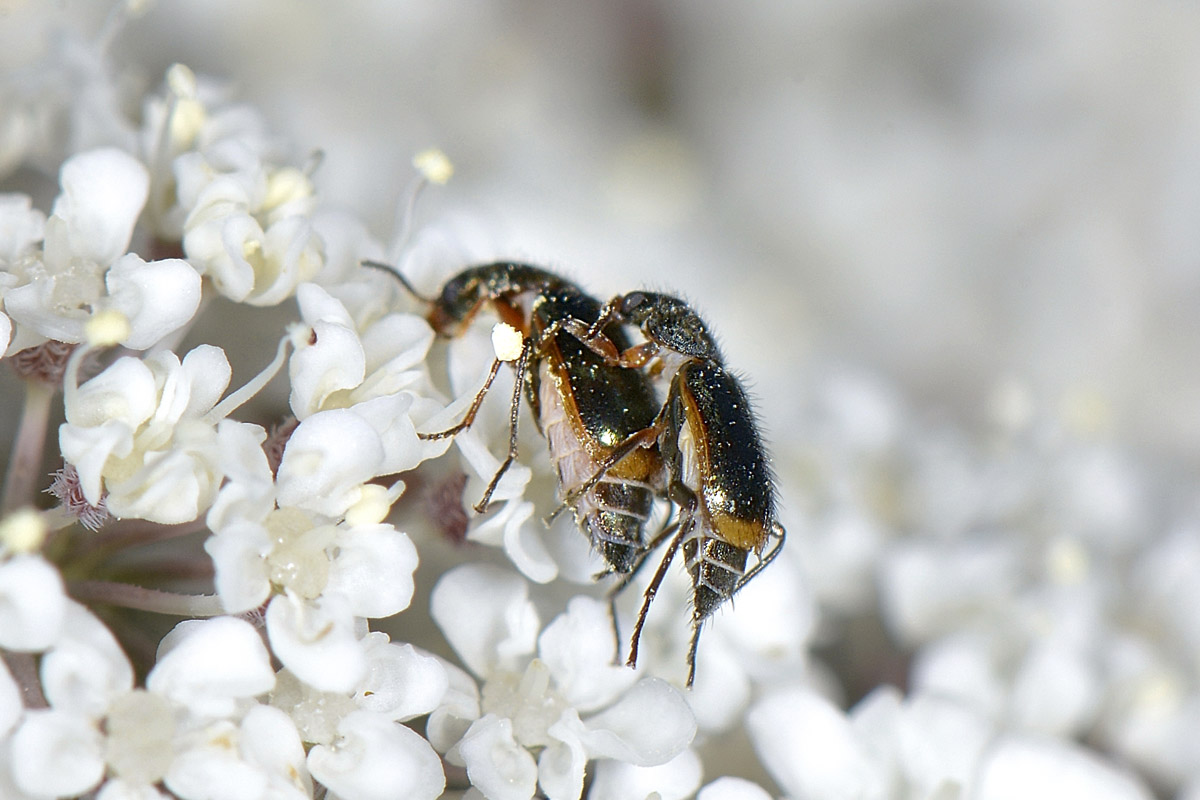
column 960, row 196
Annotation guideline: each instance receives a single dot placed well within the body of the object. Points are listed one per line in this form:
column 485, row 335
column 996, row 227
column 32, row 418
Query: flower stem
column 128, row 596
column 135, row 533
column 25, row 462
column 24, row 669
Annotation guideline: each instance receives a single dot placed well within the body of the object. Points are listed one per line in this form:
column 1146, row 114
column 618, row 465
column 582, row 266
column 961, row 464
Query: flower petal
column 56, row 754
column 731, row 788
column 401, row 683
column 459, row 707
column 373, row 570
column 316, row 642
column 208, row 665
column 103, row 192
column 1045, row 769
column 86, row 668
column 211, row 767
column 21, row 226
column 521, row 538
column 270, row 741
column 158, row 297
column 496, row 764
column 333, row 362
column 33, row 603
column 809, row 747
column 377, row 759
column 677, row 779
column 239, row 552
column 328, row 457
column 248, row 493
column 622, row 733
column 579, row 649
column 485, row 613
column 562, row 763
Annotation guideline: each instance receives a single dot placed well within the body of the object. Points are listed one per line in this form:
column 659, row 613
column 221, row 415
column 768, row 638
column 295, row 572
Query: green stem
column 128, row 596
column 25, row 462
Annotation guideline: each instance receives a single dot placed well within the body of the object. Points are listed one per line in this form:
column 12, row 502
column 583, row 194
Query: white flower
column 535, row 703
column 496, row 633
column 811, row 749
column 926, row 746
column 513, row 527
column 401, row 683
column 33, row 604
column 249, row 230
column 57, row 753
column 86, row 668
column 316, row 640
column 95, row 720
column 729, row 788
column 496, row 764
column 457, row 710
column 328, row 573
column 259, row 757
column 357, row 358
column 241, row 218
column 328, row 459
column 675, row 780
column 1047, row 769
column 360, row 749
column 139, row 435
column 210, row 665
column 376, row 759
column 84, row 269
column 190, row 134
column 22, row 227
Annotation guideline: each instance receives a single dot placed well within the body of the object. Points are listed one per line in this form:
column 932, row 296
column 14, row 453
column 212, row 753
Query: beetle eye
column 632, row 301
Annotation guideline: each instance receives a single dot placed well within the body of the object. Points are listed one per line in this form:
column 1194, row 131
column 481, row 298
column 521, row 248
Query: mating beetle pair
column 614, row 445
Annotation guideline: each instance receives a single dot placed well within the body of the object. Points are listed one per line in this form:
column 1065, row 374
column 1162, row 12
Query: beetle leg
column 623, row 584
column 691, row 656
column 643, row 438
column 684, row 529
column 607, row 314
column 469, row 419
column 779, row 534
column 513, row 417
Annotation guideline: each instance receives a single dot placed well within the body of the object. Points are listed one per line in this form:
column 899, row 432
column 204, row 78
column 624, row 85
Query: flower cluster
column 296, row 545
column 278, row 687
column 958, row 613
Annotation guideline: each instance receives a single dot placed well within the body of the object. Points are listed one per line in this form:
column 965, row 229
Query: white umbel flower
column 208, row 666
column 534, row 704
column 376, row 759
column 249, row 230
column 139, row 435
column 33, row 603
column 84, row 268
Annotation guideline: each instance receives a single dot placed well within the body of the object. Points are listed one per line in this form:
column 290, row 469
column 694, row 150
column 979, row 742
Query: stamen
column 256, row 384
column 23, row 531
column 433, row 167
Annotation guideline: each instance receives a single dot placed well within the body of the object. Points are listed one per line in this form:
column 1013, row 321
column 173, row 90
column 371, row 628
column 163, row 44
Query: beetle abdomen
column 614, row 512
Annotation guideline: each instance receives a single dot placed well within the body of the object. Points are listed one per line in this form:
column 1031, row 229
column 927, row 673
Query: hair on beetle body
column 583, row 405
column 718, row 473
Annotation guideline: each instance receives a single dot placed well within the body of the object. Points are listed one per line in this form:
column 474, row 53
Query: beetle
column 583, row 405
column 706, row 433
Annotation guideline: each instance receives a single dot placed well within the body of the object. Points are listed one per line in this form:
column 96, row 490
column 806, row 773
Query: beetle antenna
column 398, row 275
